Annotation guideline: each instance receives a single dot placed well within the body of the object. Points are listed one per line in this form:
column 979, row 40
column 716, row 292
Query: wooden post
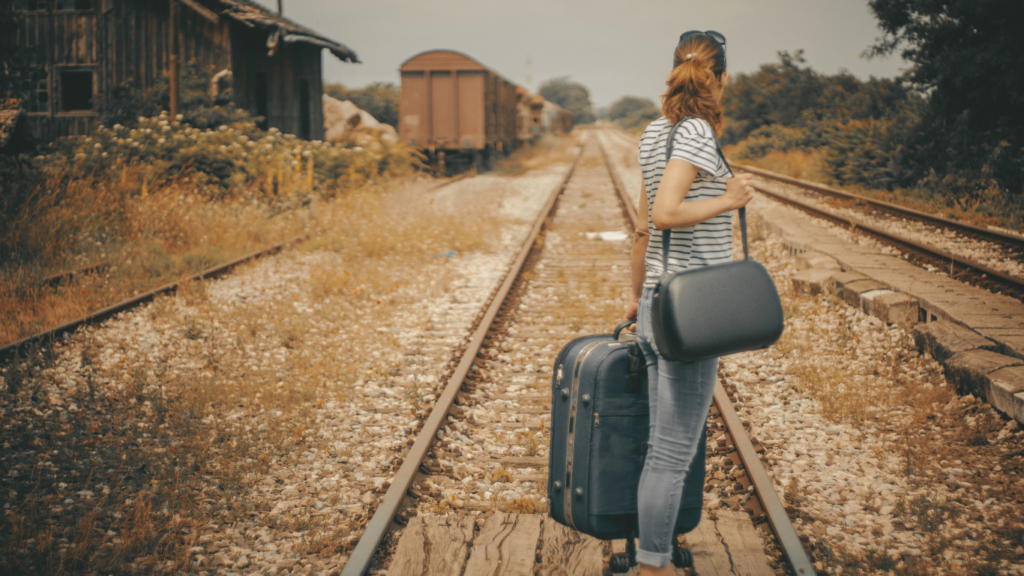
column 173, row 72
column 280, row 7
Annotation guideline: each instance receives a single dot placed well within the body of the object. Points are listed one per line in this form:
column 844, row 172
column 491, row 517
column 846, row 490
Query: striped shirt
column 703, row 244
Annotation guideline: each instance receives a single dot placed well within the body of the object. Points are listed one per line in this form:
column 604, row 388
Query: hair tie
column 691, row 55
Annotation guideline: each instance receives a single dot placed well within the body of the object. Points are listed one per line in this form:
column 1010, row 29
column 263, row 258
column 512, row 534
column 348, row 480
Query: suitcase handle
column 622, row 325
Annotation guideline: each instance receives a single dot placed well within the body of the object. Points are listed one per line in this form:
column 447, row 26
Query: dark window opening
column 76, row 90
column 30, row 5
column 304, row 120
column 75, row 4
column 261, row 98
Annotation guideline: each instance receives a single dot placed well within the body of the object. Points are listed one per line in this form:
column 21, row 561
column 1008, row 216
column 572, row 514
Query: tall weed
column 163, row 200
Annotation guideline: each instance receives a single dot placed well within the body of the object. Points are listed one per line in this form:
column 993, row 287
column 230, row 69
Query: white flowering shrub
column 228, row 159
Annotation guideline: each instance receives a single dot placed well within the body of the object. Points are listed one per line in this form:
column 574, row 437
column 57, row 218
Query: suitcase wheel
column 682, row 557
column 619, row 563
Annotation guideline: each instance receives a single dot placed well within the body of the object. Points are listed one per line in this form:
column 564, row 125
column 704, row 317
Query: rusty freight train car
column 536, row 116
column 456, row 108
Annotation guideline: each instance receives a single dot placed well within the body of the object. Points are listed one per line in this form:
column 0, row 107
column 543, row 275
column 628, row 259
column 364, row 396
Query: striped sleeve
column 695, row 143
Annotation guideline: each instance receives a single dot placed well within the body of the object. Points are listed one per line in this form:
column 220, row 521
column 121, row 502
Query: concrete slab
column 943, row 339
column 997, row 319
column 1003, row 385
column 813, row 282
column 969, row 370
column 891, row 307
column 979, row 321
column 850, row 291
column 844, row 278
column 816, row 260
column 1010, row 340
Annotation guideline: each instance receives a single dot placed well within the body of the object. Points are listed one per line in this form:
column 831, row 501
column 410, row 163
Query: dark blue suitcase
column 599, row 430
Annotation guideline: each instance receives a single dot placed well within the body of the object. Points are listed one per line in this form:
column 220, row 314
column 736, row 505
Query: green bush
column 127, row 103
column 231, row 156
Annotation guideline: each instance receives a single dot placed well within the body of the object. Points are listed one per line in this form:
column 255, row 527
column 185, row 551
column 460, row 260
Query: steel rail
column 362, row 556
column 58, row 279
column 13, row 350
column 451, row 180
column 1015, row 240
column 796, row 556
column 627, row 202
column 996, row 235
column 992, row 273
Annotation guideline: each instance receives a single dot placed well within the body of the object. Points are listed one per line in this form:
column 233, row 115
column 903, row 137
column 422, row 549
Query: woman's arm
column 638, row 267
column 670, row 211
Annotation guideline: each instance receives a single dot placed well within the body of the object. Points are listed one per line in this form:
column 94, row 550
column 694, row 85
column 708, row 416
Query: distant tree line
column 633, row 113
column 863, row 125
column 570, row 95
column 952, row 125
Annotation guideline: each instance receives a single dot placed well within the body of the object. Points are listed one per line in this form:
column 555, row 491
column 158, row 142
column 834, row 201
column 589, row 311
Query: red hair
column 692, row 84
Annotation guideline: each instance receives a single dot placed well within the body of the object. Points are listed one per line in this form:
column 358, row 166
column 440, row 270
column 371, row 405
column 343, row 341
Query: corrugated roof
column 253, row 15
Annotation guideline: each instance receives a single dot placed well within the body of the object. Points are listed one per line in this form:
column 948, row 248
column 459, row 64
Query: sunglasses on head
column 716, row 36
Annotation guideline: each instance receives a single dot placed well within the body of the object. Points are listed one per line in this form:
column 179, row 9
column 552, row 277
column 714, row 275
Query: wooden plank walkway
column 524, row 545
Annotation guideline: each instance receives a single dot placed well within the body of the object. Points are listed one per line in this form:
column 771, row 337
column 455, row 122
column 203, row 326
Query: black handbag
column 714, row 310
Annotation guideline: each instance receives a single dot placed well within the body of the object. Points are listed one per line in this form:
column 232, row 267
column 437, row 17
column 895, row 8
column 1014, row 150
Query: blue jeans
column 680, row 395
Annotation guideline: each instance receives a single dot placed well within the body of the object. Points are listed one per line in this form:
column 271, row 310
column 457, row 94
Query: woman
column 693, row 195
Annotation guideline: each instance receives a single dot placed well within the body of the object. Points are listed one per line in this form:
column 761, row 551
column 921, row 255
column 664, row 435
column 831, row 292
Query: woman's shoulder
column 695, row 126
column 654, row 128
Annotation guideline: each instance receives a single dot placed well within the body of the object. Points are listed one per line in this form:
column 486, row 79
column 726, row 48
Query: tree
column 380, row 99
column 631, row 112
column 966, row 59
column 627, row 105
column 572, row 96
column 775, row 94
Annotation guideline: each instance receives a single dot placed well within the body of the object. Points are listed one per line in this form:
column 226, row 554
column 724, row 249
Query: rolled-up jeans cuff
column 653, row 558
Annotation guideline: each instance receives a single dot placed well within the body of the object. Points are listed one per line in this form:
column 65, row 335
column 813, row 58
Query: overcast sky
column 614, row 48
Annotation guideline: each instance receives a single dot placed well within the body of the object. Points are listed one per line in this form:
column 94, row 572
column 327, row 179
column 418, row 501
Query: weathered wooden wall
column 127, row 41
column 136, row 44
column 292, row 64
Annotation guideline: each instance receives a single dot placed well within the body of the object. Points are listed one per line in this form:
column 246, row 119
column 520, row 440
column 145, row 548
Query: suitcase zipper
column 571, row 437
column 597, row 419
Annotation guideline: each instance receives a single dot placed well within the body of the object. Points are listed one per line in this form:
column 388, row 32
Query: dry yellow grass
column 855, row 379
column 148, row 242
column 156, row 432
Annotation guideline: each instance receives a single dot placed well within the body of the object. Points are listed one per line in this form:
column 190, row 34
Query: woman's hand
column 631, row 309
column 738, row 191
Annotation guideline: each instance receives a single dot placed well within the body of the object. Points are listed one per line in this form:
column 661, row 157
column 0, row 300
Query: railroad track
column 925, row 254
column 25, row 345
column 483, row 447
column 22, row 347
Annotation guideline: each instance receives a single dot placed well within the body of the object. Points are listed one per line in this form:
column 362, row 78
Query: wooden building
column 86, row 48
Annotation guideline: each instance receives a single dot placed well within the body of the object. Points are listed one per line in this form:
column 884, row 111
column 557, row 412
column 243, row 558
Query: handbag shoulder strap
column 666, row 235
